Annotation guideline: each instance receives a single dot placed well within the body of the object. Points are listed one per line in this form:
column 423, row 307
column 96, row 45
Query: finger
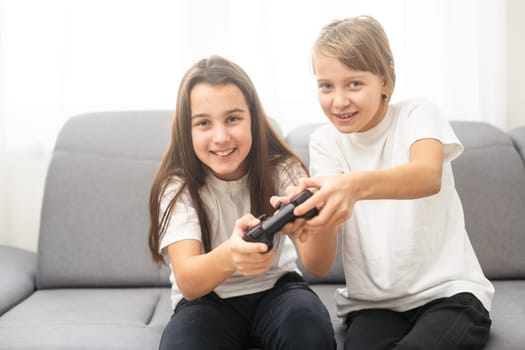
column 329, row 217
column 298, row 234
column 247, row 220
column 288, row 229
column 291, row 227
column 252, row 248
column 309, row 182
column 245, row 223
column 302, row 184
column 315, row 201
column 325, row 217
column 275, row 201
column 304, row 235
column 298, row 224
column 326, row 213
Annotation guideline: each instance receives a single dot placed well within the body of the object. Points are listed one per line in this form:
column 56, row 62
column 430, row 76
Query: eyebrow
column 229, row 111
column 352, row 77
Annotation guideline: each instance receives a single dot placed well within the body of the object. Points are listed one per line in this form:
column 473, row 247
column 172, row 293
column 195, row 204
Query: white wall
column 515, row 63
column 25, row 173
column 26, row 176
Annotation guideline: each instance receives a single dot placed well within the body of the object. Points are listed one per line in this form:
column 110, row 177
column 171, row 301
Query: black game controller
column 265, row 231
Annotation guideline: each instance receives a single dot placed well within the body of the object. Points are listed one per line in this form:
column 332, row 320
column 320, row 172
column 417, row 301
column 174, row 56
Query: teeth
column 224, row 153
column 345, row 116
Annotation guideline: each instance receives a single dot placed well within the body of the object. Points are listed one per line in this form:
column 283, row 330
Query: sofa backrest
column 490, row 179
column 94, row 220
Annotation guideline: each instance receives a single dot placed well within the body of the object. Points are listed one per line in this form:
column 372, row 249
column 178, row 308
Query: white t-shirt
column 400, row 254
column 227, row 201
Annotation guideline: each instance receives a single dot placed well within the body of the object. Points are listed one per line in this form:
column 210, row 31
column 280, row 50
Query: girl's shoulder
column 171, row 187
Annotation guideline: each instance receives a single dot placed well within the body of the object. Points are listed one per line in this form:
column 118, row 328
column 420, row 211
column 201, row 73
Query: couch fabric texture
column 92, row 284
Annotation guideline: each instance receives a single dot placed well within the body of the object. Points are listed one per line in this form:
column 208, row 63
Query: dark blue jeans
column 457, row 322
column 288, row 316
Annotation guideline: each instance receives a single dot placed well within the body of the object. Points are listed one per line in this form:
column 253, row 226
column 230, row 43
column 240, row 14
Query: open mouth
column 224, row 153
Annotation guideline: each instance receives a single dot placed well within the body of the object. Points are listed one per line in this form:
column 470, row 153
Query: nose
column 220, row 134
column 340, row 100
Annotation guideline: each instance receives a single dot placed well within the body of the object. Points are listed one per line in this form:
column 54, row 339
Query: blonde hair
column 359, row 43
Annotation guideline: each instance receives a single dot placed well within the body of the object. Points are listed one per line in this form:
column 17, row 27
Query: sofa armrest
column 518, row 137
column 17, row 276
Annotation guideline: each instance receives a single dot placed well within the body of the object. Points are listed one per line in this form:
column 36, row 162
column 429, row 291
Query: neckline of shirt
column 227, row 186
column 377, row 131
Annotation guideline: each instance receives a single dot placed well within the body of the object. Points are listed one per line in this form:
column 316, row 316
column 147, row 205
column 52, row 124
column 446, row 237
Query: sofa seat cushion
column 508, row 316
column 118, row 318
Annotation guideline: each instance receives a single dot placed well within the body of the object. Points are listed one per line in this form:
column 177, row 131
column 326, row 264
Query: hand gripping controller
column 265, row 231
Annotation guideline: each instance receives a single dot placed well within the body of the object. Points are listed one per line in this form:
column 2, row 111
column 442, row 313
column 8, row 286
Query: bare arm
column 317, row 248
column 337, row 194
column 198, row 274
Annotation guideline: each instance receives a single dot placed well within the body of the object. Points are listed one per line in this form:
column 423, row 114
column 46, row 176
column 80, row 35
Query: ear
column 385, row 88
column 385, row 84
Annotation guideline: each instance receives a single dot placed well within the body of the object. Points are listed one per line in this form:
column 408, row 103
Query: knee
column 307, row 329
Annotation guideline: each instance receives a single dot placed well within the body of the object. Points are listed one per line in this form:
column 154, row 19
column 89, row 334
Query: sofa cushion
column 518, row 136
column 120, row 318
column 490, row 178
column 17, row 269
column 508, row 316
column 88, row 242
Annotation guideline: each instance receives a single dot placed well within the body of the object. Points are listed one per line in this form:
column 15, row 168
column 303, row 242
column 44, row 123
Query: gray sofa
column 92, row 284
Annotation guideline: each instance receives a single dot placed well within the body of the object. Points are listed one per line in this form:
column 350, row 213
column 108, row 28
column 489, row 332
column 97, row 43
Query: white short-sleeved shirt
column 401, row 254
column 227, row 201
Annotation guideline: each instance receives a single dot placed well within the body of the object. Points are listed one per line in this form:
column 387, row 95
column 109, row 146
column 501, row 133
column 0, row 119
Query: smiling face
column 221, row 129
column 352, row 100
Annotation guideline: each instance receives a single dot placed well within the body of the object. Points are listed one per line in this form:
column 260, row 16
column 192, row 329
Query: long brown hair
column 359, row 43
column 180, row 161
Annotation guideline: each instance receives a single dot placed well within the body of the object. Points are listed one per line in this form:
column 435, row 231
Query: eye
column 201, row 123
column 324, row 86
column 233, row 118
column 355, row 84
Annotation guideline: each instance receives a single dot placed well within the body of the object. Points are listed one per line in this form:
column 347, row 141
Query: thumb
column 308, row 182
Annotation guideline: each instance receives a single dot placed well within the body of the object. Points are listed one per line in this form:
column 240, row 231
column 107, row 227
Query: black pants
column 457, row 322
column 288, row 316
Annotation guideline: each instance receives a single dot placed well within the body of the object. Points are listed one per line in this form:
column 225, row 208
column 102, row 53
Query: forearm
column 420, row 177
column 200, row 274
column 319, row 250
column 408, row 181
